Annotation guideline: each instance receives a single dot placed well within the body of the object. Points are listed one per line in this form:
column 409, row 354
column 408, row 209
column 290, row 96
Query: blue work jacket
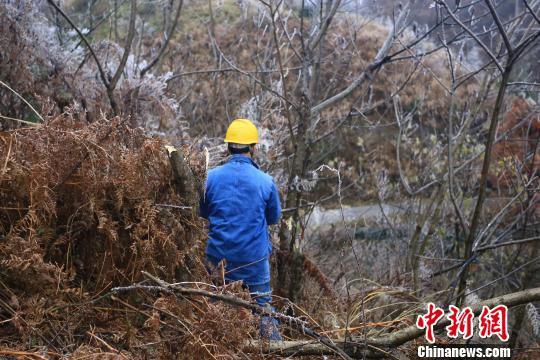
column 240, row 202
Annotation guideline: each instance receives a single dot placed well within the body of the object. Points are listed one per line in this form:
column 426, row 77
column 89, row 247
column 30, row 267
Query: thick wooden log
column 183, row 176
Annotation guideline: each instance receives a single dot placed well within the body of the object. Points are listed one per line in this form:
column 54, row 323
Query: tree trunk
column 290, row 260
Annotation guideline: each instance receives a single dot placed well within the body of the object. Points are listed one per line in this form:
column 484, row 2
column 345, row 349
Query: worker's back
column 240, row 202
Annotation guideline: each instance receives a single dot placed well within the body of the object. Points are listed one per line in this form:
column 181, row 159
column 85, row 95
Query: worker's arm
column 273, row 206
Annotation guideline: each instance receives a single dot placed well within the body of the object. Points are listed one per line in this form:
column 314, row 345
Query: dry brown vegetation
column 522, row 126
column 81, row 214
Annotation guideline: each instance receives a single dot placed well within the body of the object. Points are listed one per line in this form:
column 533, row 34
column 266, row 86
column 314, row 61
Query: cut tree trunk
column 185, row 180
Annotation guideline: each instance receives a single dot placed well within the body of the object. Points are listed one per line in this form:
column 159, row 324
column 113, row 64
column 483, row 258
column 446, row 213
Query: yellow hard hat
column 242, row 131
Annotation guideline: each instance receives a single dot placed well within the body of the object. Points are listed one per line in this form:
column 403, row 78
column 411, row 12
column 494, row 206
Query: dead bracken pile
column 81, row 211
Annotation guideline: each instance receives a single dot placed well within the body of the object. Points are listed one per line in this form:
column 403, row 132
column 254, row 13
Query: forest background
column 403, row 137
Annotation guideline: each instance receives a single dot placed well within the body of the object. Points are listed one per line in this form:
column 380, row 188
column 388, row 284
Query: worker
column 240, row 202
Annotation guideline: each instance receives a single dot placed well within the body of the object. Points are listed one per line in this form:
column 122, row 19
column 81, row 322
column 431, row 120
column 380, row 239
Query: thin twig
column 104, row 343
column 23, row 99
column 473, row 35
column 19, row 120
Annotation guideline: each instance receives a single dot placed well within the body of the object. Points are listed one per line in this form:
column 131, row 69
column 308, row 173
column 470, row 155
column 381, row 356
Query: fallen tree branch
column 484, row 249
column 22, row 354
column 322, row 345
column 355, row 349
column 296, row 323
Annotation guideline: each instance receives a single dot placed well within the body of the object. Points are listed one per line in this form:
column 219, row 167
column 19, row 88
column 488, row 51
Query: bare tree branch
column 475, row 221
column 229, row 69
column 326, row 345
column 102, row 75
column 534, row 260
column 281, row 72
column 167, row 40
column 101, row 21
column 523, row 83
column 127, row 48
column 450, row 135
column 380, row 59
column 500, row 26
column 508, row 243
column 473, row 35
column 534, row 15
column 243, row 72
column 324, row 26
